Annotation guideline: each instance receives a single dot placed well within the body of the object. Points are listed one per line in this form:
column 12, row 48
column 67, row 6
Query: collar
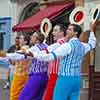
column 73, row 38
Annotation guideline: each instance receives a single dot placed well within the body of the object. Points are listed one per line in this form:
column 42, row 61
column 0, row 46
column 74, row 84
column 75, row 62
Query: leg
column 7, row 84
column 43, row 86
column 75, row 96
column 17, row 85
column 67, row 88
column 62, row 89
column 75, row 90
column 32, row 88
column 50, row 87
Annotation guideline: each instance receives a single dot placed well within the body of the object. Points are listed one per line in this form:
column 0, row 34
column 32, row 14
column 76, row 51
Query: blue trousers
column 67, row 88
column 34, row 87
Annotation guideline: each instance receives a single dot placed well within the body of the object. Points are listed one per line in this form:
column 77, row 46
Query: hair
column 35, row 32
column 41, row 37
column 77, row 29
column 62, row 28
column 87, row 32
column 17, row 37
column 27, row 38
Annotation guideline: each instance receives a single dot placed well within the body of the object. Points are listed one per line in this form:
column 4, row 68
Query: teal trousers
column 67, row 88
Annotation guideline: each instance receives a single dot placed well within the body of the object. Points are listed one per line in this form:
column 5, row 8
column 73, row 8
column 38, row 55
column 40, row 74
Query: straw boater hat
column 45, row 27
column 95, row 13
column 77, row 16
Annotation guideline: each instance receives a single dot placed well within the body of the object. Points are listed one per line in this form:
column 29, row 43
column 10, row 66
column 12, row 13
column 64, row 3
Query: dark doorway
column 2, row 41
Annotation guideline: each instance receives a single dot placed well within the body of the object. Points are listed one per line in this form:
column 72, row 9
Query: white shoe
column 6, row 86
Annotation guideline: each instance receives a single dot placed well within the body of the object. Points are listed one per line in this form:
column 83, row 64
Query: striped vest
column 37, row 65
column 70, row 64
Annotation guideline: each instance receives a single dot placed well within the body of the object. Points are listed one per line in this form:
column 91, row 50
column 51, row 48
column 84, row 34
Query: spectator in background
column 14, row 47
column 11, row 69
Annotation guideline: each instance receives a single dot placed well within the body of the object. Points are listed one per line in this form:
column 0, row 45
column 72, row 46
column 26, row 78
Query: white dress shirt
column 65, row 49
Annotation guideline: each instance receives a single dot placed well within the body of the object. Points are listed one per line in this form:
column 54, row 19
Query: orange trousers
column 17, row 85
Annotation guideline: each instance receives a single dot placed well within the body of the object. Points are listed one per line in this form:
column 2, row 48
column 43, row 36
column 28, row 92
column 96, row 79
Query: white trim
column 93, row 11
column 71, row 17
column 46, row 20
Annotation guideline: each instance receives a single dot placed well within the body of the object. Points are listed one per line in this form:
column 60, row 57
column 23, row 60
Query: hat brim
column 74, row 13
column 95, row 13
column 43, row 23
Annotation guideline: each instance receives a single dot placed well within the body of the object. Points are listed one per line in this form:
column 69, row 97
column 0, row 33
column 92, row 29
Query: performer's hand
column 2, row 53
column 92, row 26
column 24, row 49
column 29, row 54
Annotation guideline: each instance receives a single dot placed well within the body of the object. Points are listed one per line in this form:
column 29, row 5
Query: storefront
column 59, row 12
column 56, row 12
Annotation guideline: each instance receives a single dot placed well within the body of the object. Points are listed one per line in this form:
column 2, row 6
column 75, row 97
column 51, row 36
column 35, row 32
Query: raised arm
column 92, row 40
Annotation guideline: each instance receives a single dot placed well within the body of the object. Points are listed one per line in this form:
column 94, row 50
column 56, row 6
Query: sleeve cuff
column 54, row 55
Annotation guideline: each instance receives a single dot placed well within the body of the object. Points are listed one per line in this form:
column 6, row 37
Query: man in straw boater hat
column 59, row 31
column 38, row 77
column 21, row 68
column 72, row 53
